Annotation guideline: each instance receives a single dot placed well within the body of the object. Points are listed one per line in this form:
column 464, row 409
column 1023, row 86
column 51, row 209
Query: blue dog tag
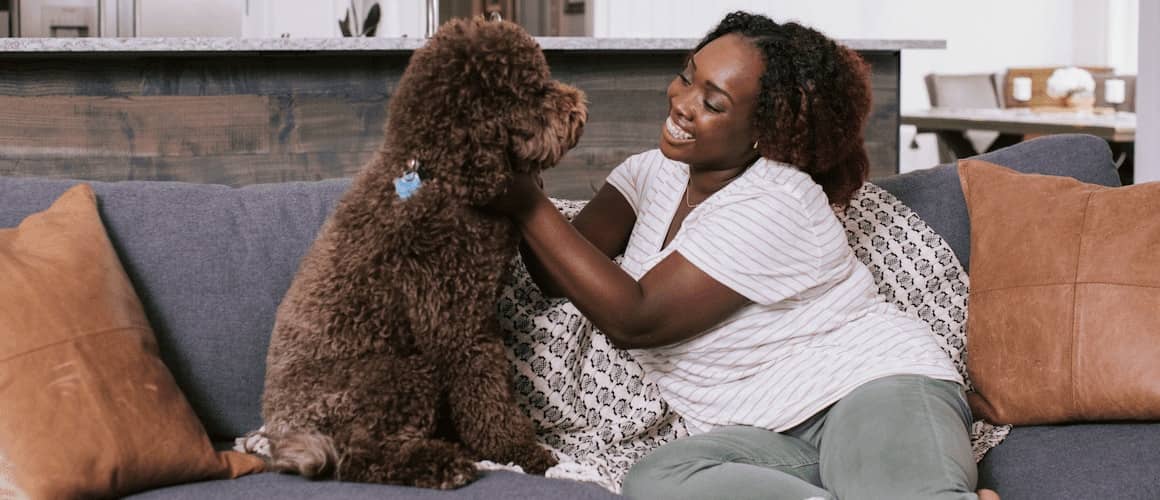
column 406, row 185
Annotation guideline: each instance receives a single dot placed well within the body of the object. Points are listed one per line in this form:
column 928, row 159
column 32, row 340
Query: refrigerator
column 130, row 18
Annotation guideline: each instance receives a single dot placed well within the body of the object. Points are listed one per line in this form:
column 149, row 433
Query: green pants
column 898, row 437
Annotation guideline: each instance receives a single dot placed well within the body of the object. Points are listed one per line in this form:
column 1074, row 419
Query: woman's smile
column 675, row 134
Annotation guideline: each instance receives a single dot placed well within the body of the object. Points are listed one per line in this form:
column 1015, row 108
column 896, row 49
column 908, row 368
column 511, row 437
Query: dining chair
column 976, row 91
column 962, row 91
column 1129, row 103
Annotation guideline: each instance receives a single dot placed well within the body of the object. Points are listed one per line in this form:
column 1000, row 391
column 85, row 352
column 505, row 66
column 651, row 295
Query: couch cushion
column 88, row 407
column 1115, row 460
column 495, row 484
column 1062, row 322
column 936, row 196
column 210, row 264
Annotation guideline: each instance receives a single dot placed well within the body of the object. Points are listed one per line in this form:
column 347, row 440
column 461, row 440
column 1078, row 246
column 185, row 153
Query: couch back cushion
column 937, row 197
column 210, row 264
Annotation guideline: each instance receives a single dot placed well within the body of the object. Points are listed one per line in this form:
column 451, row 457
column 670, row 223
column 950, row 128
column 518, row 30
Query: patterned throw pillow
column 917, row 271
column 590, row 400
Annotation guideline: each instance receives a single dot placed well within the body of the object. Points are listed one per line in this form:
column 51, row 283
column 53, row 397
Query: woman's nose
column 682, row 100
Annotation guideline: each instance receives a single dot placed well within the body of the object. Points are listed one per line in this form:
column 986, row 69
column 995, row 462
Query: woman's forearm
column 569, row 265
column 539, row 275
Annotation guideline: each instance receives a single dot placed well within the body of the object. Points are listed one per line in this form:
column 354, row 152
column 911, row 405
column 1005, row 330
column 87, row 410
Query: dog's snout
column 578, row 119
column 575, row 105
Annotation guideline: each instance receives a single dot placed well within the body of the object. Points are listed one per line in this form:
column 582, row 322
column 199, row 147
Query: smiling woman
column 711, row 108
column 738, row 294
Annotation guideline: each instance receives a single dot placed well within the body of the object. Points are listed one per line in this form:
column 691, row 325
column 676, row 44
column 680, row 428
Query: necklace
column 687, row 188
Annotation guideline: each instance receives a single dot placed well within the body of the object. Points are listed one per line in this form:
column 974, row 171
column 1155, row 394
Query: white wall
column 1105, row 33
column 297, row 18
column 981, row 35
column 401, row 18
column 212, row 18
column 319, row 18
column 693, row 18
column 1148, row 95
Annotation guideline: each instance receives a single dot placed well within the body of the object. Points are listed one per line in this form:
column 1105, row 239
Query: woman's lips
column 676, row 134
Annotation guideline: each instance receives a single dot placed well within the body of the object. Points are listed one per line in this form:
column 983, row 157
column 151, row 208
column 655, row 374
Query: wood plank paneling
column 63, row 126
column 245, row 118
column 228, row 74
column 884, row 69
column 318, row 124
column 882, row 134
column 236, row 170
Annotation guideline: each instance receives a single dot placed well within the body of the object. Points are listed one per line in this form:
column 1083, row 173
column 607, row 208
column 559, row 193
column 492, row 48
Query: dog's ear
column 550, row 128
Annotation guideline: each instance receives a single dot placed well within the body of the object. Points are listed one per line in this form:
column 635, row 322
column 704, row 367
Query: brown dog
column 386, row 362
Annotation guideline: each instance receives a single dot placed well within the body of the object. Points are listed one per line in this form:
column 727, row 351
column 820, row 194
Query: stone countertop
column 354, row 45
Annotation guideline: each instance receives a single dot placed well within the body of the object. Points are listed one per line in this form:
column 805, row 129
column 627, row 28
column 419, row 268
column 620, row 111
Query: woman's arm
column 606, row 222
column 674, row 301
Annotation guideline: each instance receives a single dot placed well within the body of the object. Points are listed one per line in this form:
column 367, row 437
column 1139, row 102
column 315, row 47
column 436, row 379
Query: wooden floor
column 240, row 119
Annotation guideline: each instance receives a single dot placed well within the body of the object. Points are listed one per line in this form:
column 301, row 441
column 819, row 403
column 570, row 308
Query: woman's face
column 711, row 106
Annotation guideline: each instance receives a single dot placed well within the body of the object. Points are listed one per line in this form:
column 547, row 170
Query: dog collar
column 410, row 182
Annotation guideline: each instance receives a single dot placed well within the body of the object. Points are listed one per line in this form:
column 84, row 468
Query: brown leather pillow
column 87, row 408
column 1063, row 321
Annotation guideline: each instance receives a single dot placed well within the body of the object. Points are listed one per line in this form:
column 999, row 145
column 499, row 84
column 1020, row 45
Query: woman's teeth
column 675, row 131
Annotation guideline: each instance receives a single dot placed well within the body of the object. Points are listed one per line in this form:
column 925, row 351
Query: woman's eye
column 684, row 78
column 712, row 108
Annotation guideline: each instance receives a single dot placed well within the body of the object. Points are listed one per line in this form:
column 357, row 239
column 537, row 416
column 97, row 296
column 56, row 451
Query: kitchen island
column 244, row 111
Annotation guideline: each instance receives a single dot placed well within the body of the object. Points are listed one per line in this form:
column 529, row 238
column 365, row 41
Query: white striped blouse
column 816, row 329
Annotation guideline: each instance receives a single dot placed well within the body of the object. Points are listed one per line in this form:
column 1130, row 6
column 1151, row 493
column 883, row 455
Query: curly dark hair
column 813, row 103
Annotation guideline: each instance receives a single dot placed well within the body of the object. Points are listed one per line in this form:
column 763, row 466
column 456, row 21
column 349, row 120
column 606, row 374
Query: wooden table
column 1118, row 128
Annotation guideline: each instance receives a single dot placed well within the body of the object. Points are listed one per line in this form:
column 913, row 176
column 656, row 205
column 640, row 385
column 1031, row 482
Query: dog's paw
column 461, row 472
column 454, row 474
column 536, row 460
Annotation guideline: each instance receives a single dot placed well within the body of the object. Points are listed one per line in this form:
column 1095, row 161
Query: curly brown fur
column 814, row 101
column 386, row 362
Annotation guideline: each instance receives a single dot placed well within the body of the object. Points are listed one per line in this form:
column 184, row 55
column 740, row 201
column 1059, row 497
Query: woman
column 739, row 295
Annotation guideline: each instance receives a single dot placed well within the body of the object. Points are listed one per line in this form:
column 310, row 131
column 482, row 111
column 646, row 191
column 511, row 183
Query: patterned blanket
column 591, row 402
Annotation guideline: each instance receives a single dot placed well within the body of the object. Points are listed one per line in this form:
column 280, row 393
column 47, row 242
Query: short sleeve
column 761, row 246
column 629, row 178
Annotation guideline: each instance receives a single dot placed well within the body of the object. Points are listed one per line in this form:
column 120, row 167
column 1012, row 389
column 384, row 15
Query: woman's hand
column 520, row 197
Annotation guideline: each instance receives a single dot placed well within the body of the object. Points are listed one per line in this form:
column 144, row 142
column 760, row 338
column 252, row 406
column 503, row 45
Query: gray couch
column 211, row 264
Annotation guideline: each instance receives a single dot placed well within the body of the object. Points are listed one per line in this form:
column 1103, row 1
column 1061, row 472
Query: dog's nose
column 580, row 111
column 576, row 120
column 577, row 131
